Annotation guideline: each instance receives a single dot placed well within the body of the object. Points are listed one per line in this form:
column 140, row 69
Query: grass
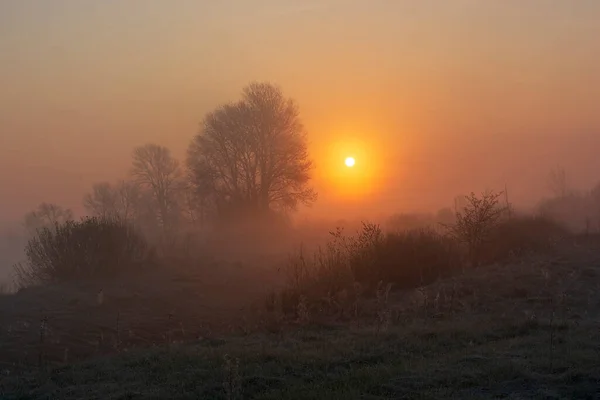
column 522, row 330
column 91, row 318
column 464, row 358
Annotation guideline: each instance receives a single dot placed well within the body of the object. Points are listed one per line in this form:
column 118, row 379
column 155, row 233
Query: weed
column 42, row 333
column 232, row 379
column 303, row 313
column 384, row 314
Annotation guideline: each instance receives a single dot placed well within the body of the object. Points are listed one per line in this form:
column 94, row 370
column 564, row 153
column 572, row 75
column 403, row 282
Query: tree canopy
column 252, row 155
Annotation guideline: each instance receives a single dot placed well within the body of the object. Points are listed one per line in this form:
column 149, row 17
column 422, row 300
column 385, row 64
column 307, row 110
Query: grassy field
column 526, row 330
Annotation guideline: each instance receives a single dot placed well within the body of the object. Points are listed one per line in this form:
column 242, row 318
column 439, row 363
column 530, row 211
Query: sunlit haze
column 432, row 98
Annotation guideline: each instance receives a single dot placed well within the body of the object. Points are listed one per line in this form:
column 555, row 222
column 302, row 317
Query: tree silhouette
column 251, row 156
column 156, row 170
column 557, row 182
column 129, row 196
column 46, row 215
column 120, row 200
column 102, row 201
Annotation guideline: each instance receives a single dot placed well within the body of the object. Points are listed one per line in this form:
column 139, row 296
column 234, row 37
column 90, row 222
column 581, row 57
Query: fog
column 434, row 100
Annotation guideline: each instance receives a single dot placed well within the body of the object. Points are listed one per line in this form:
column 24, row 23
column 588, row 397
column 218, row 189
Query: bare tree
column 108, row 200
column 102, row 201
column 155, row 169
column 557, row 182
column 193, row 205
column 128, row 199
column 252, row 155
column 46, row 215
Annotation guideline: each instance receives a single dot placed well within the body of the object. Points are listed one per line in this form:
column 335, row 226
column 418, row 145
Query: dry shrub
column 476, row 222
column 412, row 259
column 318, row 277
column 520, row 236
column 91, row 248
column 337, row 275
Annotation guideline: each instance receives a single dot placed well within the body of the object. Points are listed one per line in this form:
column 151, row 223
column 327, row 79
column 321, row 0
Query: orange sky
column 447, row 97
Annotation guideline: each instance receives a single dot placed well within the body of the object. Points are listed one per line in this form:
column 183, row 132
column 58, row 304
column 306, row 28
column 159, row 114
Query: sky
column 434, row 98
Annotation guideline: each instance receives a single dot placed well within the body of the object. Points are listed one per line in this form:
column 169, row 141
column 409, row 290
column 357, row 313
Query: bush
column 91, row 248
column 350, row 266
column 408, row 222
column 410, row 259
column 317, row 277
column 476, row 222
column 519, row 236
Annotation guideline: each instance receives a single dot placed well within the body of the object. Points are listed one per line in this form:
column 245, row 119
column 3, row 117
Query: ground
column 529, row 329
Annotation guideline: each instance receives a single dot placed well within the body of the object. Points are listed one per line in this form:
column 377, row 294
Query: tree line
column 249, row 159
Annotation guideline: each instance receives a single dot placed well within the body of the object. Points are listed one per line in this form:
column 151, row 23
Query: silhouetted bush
column 519, row 236
column 408, row 222
column 319, row 276
column 348, row 267
column 572, row 210
column 475, row 223
column 409, row 259
column 91, row 248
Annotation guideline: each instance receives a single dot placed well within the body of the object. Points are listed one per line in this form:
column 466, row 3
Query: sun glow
column 351, row 168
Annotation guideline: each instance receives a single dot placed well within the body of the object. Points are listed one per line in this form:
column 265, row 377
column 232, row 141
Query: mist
column 445, row 99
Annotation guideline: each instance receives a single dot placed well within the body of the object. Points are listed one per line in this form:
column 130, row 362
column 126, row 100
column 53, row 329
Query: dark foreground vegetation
column 526, row 329
column 493, row 305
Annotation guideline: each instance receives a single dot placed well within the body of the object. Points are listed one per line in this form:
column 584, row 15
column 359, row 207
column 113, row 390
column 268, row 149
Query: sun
column 350, row 161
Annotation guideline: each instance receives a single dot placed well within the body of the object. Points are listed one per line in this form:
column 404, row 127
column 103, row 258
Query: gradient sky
column 446, row 96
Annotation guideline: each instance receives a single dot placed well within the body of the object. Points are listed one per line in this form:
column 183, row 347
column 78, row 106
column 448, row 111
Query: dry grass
column 92, row 318
column 524, row 330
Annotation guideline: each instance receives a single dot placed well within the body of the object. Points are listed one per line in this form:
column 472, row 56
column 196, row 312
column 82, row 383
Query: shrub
column 475, row 223
column 518, row 236
column 571, row 210
column 409, row 222
column 319, row 276
column 349, row 266
column 91, row 248
column 412, row 259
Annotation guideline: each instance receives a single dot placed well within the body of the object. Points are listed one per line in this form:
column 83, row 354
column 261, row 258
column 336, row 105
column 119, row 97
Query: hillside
column 529, row 329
